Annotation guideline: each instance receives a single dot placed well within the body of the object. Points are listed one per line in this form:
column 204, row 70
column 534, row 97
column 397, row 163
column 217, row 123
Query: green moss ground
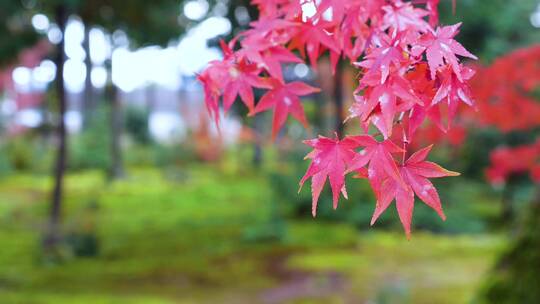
column 203, row 235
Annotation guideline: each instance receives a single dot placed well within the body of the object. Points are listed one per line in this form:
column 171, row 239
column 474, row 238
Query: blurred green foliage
column 145, row 22
column 5, row 163
column 16, row 31
column 26, row 152
column 492, row 28
column 136, row 125
column 90, row 148
column 515, row 278
column 171, row 155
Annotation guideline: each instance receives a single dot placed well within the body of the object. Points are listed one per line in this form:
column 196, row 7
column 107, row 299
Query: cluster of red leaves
column 30, row 57
column 409, row 71
column 24, row 97
column 431, row 134
column 506, row 89
column 501, row 91
column 506, row 162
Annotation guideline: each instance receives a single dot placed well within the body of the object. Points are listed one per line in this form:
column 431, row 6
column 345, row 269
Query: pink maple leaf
column 403, row 16
column 314, row 38
column 441, row 46
column 284, row 98
column 378, row 157
column 416, row 172
column 330, row 158
column 454, row 89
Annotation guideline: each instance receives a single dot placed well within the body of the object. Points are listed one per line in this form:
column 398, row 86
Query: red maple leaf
column 242, row 78
column 403, row 16
column 454, row 89
column 382, row 102
column 212, row 93
column 441, row 45
column 379, row 157
column 314, row 38
column 284, row 98
column 535, row 173
column 267, row 54
column 330, row 158
column 337, row 7
column 424, row 89
column 354, row 27
column 230, row 78
column 416, row 172
column 432, row 7
column 380, row 60
column 262, row 28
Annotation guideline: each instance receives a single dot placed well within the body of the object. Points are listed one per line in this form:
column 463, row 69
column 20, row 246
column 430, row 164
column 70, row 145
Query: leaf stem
column 405, row 144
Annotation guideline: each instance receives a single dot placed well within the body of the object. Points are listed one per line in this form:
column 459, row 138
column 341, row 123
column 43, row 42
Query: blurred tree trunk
column 150, row 98
column 53, row 232
column 507, row 208
column 257, row 141
column 516, row 277
column 338, row 99
column 88, row 106
column 116, row 170
column 536, row 201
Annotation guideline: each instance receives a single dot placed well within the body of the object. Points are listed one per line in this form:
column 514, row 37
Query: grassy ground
column 212, row 236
